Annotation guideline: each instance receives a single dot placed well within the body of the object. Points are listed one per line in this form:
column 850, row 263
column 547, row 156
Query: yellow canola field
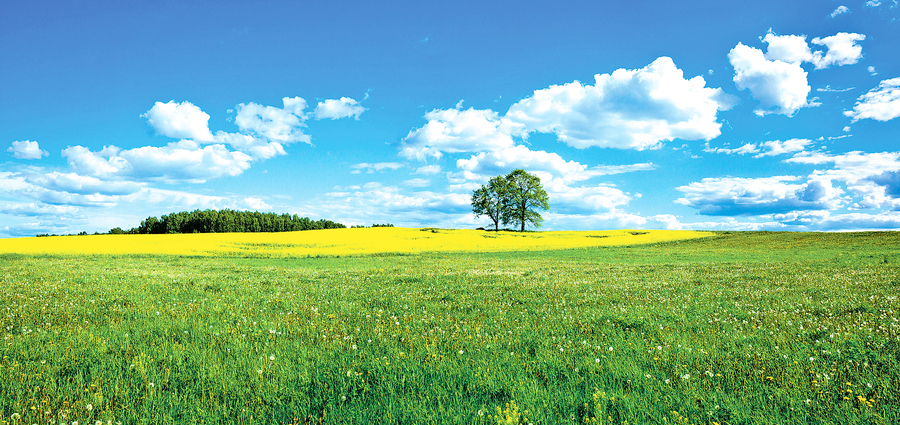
column 333, row 242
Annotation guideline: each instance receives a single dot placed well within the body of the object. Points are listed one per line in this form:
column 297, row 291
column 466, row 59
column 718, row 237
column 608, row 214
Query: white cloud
column 787, row 48
column 417, row 182
column 842, row 50
column 38, row 210
column 870, row 176
column 881, row 103
column 733, row 196
column 455, row 130
column 179, row 121
column 338, row 108
column 282, row 125
column 777, row 80
column 873, row 3
column 253, row 146
column 744, row 149
column 828, row 89
column 83, row 185
column 780, row 87
column 840, row 10
column 770, row 148
column 375, row 167
column 505, row 160
column 778, row 147
column 26, row 149
column 628, row 109
column 872, row 71
column 428, row 170
column 183, row 160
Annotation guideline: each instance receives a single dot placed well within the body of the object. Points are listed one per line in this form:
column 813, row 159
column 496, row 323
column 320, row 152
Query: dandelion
column 259, row 371
column 15, row 416
column 89, row 407
column 667, row 381
column 647, row 375
column 686, row 376
column 272, row 358
column 597, row 360
column 610, row 348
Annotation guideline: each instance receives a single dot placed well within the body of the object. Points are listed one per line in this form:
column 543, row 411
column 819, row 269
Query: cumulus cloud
column 881, row 103
column 375, row 167
column 38, row 210
column 869, row 176
column 338, row 108
column 179, row 121
column 26, row 149
column 780, row 87
column 787, row 48
column 456, row 130
column 282, row 125
column 733, row 196
column 183, row 160
column 628, row 109
column 777, row 79
column 842, row 50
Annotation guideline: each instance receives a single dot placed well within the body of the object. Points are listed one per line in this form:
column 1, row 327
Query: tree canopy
column 512, row 199
column 223, row 221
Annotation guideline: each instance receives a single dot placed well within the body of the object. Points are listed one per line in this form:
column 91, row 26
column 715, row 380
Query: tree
column 525, row 195
column 489, row 200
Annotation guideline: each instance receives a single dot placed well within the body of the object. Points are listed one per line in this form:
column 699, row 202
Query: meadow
column 724, row 328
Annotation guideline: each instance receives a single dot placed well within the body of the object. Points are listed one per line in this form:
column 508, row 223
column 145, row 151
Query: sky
column 765, row 115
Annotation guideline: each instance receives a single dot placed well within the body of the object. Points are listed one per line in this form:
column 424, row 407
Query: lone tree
column 514, row 198
column 489, row 200
column 525, row 195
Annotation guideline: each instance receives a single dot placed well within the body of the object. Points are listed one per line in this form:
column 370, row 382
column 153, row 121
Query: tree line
column 227, row 221
column 512, row 199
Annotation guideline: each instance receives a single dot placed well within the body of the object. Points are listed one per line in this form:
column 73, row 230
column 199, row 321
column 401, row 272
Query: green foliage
column 743, row 328
column 229, row 221
column 524, row 198
column 512, row 199
column 489, row 199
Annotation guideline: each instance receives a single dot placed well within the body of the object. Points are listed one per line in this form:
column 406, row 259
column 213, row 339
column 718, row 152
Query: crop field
column 616, row 327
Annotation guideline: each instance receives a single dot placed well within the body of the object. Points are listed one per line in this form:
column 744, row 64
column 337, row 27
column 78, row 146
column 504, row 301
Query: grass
column 739, row 328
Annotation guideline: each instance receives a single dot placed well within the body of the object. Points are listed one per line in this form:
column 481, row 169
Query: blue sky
column 681, row 115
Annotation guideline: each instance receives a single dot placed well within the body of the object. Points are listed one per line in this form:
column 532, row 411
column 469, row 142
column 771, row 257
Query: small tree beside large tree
column 514, row 198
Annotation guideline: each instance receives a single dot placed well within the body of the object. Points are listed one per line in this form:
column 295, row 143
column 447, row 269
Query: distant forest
column 227, row 221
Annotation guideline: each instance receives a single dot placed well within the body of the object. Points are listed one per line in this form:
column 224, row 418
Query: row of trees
column 225, row 221
column 512, row 199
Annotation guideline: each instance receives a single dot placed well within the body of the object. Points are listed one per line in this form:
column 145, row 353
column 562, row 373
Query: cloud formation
column 733, row 196
column 375, row 167
column 628, row 109
column 881, row 103
column 333, row 109
column 456, row 130
column 777, row 79
column 26, row 149
column 179, row 121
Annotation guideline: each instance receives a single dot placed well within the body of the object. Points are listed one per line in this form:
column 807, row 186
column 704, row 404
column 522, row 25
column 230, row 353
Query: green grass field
column 742, row 328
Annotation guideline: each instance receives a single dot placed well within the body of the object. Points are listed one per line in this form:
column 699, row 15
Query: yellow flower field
column 359, row 241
